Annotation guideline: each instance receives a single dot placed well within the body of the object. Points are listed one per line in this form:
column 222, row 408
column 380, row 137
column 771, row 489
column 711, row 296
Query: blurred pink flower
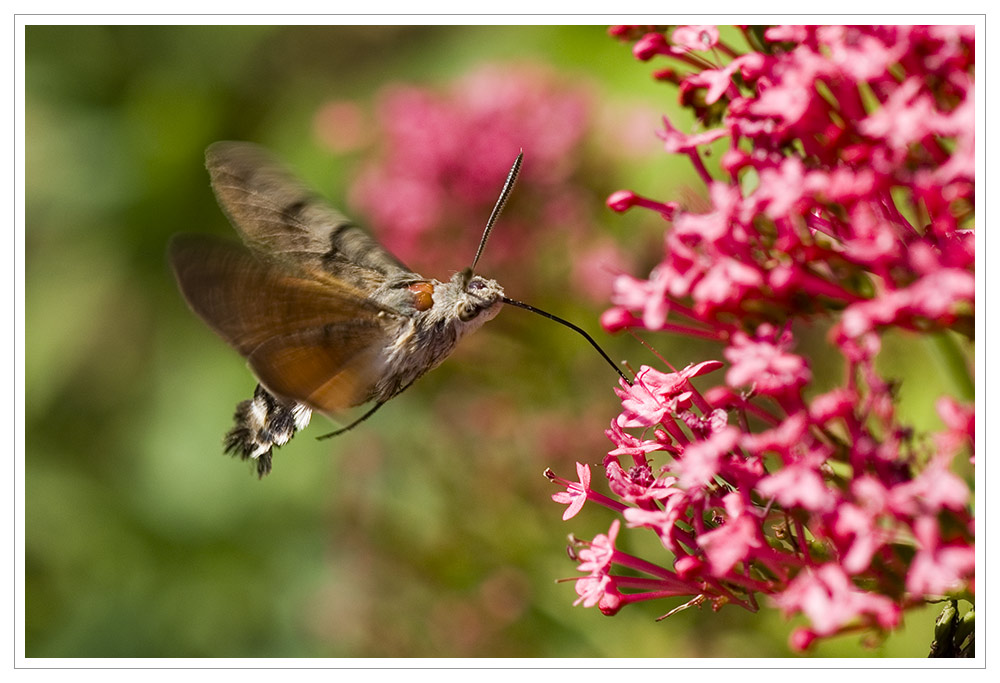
column 695, row 37
column 675, row 142
column 798, row 484
column 960, row 423
column 731, row 542
column 831, row 601
column 443, row 155
column 763, row 362
column 702, row 459
column 938, row 568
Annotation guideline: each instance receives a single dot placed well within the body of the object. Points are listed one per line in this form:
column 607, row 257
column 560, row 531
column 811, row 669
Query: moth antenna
column 550, row 316
column 504, row 195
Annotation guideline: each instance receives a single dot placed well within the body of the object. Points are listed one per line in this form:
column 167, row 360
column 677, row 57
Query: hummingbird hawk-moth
column 327, row 318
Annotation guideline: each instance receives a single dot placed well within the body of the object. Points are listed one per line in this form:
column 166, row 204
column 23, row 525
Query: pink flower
column 654, row 395
column 841, row 185
column 765, row 363
column 731, row 542
column 828, row 598
column 726, row 281
column 443, row 154
column 597, row 558
column 905, row 118
column 937, row 294
column 674, row 141
column 638, row 485
column 858, row 524
column 864, row 317
column 869, row 242
column 716, row 81
column 645, row 295
column 575, row 494
column 701, row 460
column 855, row 524
column 660, row 521
column 695, row 38
column 938, row 569
column 670, row 383
column 798, row 485
column 640, row 407
column 794, row 34
column 782, row 439
column 781, row 188
column 863, row 57
column 839, row 402
column 591, row 589
column 960, row 421
column 628, row 444
column 936, row 488
column 785, row 102
column 713, row 226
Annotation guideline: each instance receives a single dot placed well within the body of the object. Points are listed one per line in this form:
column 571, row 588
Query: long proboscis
column 575, row 328
column 508, row 186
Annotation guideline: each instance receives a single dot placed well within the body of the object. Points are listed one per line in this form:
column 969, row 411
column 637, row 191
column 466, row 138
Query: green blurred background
column 428, row 531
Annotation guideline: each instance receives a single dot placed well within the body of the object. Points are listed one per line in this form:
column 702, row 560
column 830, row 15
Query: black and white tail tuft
column 263, row 422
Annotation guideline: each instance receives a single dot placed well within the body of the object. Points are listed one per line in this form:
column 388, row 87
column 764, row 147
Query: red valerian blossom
column 844, row 199
column 575, row 494
column 442, row 154
column 439, row 157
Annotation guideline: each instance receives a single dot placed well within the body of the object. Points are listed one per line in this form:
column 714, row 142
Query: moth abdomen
column 262, row 424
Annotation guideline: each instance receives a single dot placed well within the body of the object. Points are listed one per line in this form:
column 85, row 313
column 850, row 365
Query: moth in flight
column 327, row 318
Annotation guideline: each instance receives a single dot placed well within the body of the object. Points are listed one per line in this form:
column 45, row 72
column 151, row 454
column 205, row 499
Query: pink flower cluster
column 844, row 197
column 443, row 155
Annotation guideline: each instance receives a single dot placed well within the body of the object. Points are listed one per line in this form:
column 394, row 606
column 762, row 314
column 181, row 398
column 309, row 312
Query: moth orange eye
column 423, row 295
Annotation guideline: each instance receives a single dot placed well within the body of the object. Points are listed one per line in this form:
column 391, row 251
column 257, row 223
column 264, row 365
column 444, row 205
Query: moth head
column 479, row 297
